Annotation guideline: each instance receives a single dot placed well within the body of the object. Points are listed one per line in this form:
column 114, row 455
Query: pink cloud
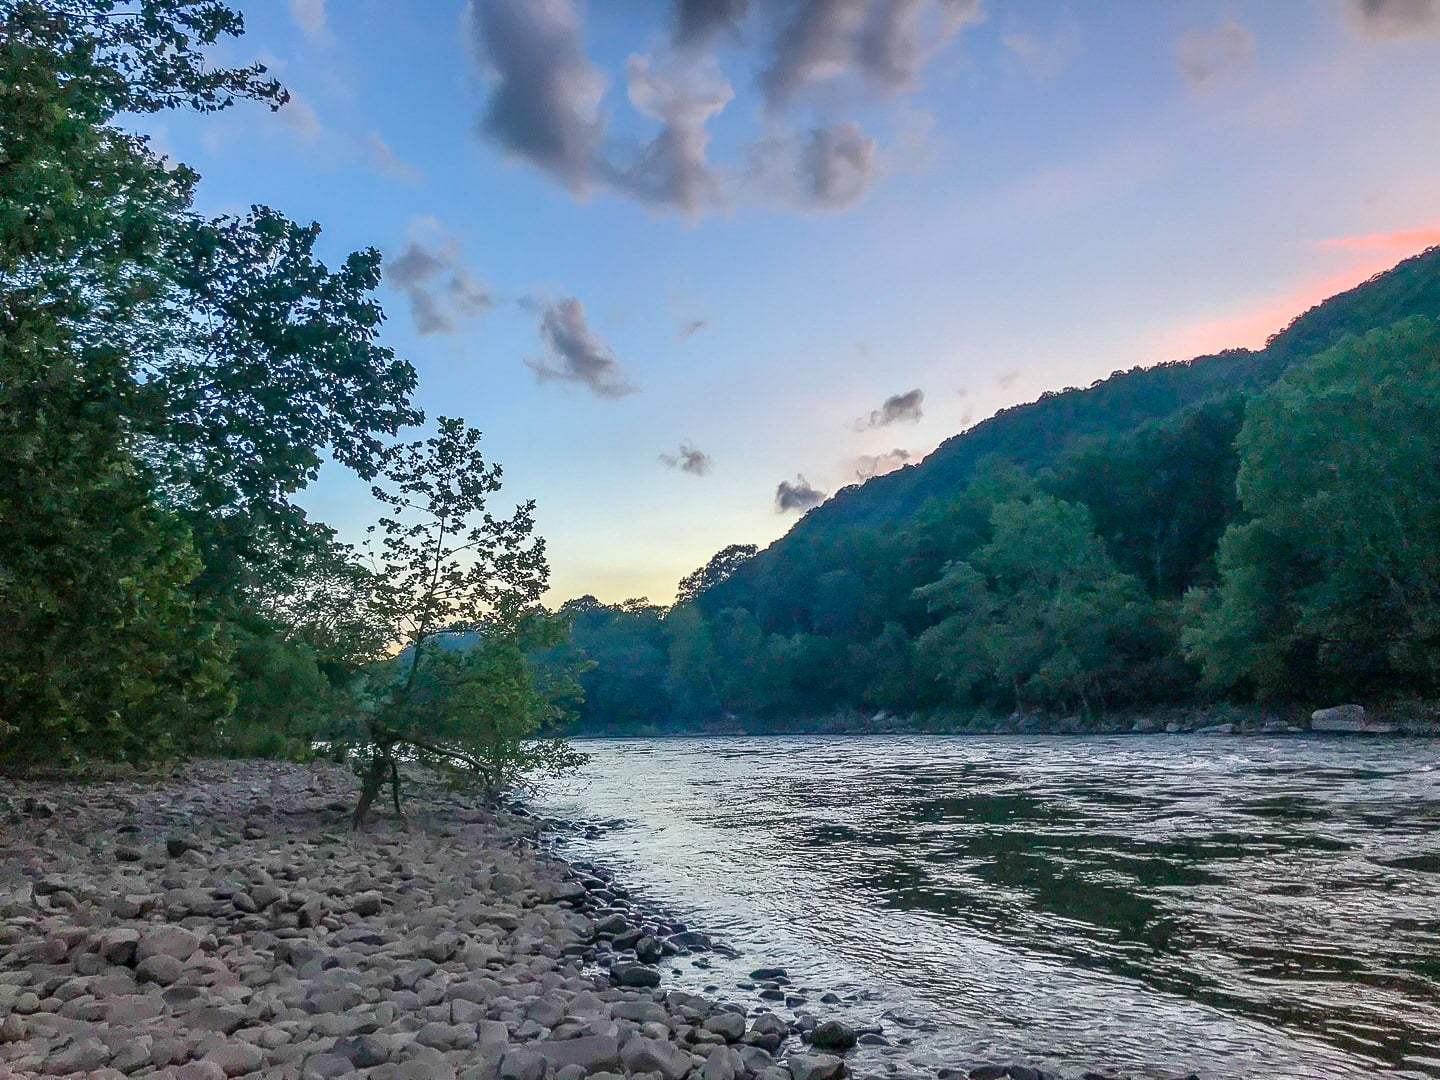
column 1405, row 239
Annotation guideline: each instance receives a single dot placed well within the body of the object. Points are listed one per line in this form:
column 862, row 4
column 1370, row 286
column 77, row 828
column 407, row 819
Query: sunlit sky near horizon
column 670, row 254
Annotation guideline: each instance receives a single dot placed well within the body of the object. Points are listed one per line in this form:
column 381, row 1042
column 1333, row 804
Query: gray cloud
column 897, row 407
column 1007, row 380
column 700, row 22
column 688, row 459
column 1390, row 19
column 544, row 103
column 882, row 43
column 868, row 465
column 797, row 496
column 837, row 164
column 672, row 169
column 692, row 327
column 439, row 288
column 1206, row 57
column 577, row 353
column 386, row 162
column 828, row 169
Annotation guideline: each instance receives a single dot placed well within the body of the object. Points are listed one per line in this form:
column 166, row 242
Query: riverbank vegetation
column 169, row 383
column 1251, row 526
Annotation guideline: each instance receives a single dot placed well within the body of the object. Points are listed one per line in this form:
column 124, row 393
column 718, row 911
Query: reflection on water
column 1241, row 907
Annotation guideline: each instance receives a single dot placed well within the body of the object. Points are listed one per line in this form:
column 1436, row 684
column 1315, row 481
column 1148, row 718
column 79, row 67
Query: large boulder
column 1346, row 719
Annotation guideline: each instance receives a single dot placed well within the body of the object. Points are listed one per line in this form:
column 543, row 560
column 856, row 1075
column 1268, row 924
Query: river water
column 1236, row 907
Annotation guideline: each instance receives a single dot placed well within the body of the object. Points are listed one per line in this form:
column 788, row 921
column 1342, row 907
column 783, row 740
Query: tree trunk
column 373, row 779
column 395, row 787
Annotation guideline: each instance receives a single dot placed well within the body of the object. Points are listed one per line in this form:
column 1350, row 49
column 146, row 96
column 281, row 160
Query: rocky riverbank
column 224, row 922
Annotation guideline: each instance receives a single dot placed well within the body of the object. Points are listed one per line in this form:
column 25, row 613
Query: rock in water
column 1347, row 719
column 833, row 1035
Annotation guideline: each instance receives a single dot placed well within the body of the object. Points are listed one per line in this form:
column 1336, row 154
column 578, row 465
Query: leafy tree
column 106, row 652
column 268, row 363
column 721, row 565
column 443, row 567
column 1040, row 610
column 1333, row 582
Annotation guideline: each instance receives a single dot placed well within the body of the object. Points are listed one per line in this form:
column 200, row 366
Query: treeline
column 168, row 384
column 1275, row 536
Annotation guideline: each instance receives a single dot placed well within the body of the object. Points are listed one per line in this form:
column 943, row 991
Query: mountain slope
column 1036, row 434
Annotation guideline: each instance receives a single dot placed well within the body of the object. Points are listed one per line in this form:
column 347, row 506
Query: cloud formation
column 439, row 288
column 386, row 162
column 699, row 23
column 1207, row 57
column 547, row 103
column 837, row 164
column 1392, row 19
column 300, row 117
column 672, row 170
column 879, row 43
column 797, row 496
column 544, row 104
column 897, row 407
column 309, row 16
column 868, row 465
column 688, row 459
column 576, row 353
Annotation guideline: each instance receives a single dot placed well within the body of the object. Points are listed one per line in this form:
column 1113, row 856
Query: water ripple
column 1240, row 907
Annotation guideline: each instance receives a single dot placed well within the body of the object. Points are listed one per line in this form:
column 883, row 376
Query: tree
column 266, row 362
column 446, row 572
column 1333, row 582
column 721, row 565
column 1040, row 611
column 106, row 652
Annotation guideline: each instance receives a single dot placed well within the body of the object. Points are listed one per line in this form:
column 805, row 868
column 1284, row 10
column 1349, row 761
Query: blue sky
column 669, row 254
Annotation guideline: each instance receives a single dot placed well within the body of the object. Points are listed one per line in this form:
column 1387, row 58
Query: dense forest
column 1254, row 525
column 169, row 384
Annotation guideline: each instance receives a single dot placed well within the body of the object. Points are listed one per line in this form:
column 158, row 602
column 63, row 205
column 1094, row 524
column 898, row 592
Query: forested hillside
column 1250, row 524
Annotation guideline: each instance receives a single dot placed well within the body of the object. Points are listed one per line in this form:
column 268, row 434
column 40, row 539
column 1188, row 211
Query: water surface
column 1239, row 907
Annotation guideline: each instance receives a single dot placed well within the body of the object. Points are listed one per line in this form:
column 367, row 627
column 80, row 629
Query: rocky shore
column 224, row 922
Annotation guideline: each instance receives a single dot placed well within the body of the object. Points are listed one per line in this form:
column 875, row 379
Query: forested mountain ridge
column 1248, row 524
column 1035, row 434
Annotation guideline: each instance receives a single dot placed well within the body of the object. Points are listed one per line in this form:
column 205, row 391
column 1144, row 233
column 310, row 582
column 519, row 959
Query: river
column 1239, row 907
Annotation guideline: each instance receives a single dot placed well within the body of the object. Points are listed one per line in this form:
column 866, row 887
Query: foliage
column 721, row 565
column 1334, row 578
column 444, row 567
column 1052, row 557
column 107, row 651
column 1040, row 611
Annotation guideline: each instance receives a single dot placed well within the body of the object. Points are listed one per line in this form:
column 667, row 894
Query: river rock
column 592, row 1053
column 728, row 1025
column 815, row 1067
column 634, row 975
column 1346, row 719
column 166, row 940
column 833, row 1035
column 642, row 1054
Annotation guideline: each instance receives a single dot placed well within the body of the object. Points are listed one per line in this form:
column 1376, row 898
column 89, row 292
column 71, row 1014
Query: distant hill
column 1036, row 434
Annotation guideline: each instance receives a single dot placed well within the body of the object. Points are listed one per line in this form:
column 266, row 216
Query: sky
column 693, row 265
